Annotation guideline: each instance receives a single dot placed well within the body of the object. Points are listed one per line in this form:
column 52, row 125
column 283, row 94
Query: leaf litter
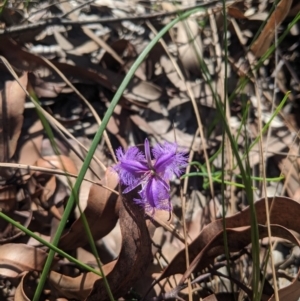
column 148, row 257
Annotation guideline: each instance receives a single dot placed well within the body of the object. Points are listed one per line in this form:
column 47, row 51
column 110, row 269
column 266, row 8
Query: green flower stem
column 93, row 147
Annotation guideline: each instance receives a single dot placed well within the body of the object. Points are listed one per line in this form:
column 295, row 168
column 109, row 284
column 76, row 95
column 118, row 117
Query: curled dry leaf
column 11, row 115
column 45, row 190
column 263, row 42
column 209, row 244
column 48, row 194
column 77, row 287
column 238, row 238
column 18, row 258
column 27, row 61
column 48, row 183
column 101, row 213
column 135, row 255
column 57, row 162
column 24, row 289
column 133, row 260
column 279, row 216
column 290, row 292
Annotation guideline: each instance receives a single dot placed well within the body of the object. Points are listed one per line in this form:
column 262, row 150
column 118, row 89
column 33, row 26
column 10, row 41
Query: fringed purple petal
column 127, row 178
column 134, row 169
column 132, row 153
column 169, row 160
column 131, row 168
column 154, row 193
column 139, row 181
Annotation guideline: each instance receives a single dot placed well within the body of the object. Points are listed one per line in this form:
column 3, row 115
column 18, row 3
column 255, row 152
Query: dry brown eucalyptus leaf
column 57, row 162
column 18, row 258
column 44, row 187
column 101, row 213
column 24, row 288
column 45, row 88
column 117, row 126
column 132, row 261
column 161, row 218
column 263, row 42
column 30, row 148
column 278, row 216
column 236, row 13
column 209, row 243
column 238, row 238
column 60, row 162
column 142, row 124
column 77, row 287
column 73, row 287
column 11, row 115
column 139, row 90
column 135, row 255
column 26, row 61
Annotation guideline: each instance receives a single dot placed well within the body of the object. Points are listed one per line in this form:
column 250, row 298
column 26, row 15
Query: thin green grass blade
column 254, row 230
column 246, row 180
column 223, row 182
column 49, row 245
column 94, row 144
column 271, row 10
column 246, row 79
column 254, row 226
column 245, row 172
column 64, row 219
column 49, row 132
column 267, row 125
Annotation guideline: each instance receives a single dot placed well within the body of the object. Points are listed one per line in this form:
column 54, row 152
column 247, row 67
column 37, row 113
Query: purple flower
column 135, row 168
